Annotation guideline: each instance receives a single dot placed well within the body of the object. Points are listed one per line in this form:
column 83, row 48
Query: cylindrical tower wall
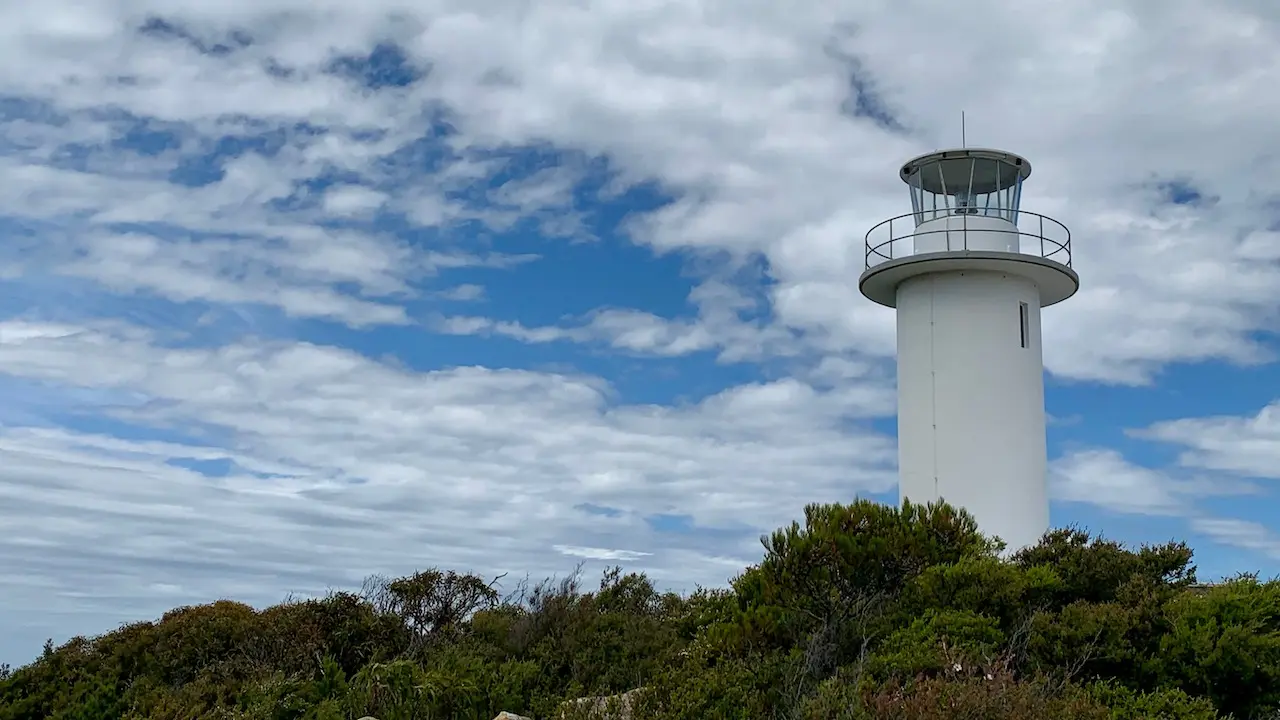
column 955, row 233
column 971, row 419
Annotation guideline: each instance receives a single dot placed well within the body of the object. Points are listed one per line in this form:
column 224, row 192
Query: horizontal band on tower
column 1055, row 281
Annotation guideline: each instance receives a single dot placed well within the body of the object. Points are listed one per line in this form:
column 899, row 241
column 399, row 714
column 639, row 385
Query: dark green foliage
column 1225, row 645
column 1128, row 704
column 1098, row 570
column 940, row 641
column 862, row 611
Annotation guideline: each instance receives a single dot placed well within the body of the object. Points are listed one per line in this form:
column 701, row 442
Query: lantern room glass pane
column 965, row 186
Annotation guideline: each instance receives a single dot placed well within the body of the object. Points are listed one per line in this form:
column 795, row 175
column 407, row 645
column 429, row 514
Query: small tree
column 432, row 602
column 846, row 558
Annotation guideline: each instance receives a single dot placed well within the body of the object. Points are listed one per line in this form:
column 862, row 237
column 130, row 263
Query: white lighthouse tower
column 968, row 272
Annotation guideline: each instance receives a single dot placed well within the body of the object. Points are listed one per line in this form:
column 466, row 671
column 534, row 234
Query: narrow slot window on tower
column 1023, row 329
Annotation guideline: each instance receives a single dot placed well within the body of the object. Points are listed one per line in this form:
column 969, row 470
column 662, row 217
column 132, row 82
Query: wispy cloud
column 332, row 450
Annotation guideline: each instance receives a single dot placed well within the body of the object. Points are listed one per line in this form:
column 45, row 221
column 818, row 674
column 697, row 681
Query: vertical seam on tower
column 933, row 383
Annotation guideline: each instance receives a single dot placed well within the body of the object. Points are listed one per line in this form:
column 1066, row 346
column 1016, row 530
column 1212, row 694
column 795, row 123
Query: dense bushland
column 862, row 611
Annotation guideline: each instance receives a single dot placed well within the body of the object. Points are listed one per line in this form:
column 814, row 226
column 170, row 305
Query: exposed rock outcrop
column 608, row 707
column 504, row 715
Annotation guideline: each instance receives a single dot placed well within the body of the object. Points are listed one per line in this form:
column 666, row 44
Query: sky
column 293, row 293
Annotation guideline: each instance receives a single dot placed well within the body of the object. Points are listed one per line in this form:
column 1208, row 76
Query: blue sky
column 294, row 293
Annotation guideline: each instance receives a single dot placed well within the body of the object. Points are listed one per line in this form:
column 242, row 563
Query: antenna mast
column 963, row 143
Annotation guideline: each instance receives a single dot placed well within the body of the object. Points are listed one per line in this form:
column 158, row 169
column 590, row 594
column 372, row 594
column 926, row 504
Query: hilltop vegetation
column 862, row 611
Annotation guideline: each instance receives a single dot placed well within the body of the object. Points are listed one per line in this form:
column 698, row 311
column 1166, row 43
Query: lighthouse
column 968, row 272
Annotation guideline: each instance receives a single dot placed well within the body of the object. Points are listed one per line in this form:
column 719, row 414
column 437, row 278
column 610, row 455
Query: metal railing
column 882, row 243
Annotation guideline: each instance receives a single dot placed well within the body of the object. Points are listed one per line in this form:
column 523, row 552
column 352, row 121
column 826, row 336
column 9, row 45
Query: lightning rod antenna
column 963, row 144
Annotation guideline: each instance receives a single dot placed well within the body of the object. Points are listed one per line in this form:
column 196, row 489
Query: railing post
column 1041, row 235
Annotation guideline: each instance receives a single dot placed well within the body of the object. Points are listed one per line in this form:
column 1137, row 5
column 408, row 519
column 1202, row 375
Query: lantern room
column 966, row 182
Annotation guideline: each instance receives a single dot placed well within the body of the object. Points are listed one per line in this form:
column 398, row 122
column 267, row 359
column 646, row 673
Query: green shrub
column 1163, row 704
column 862, row 611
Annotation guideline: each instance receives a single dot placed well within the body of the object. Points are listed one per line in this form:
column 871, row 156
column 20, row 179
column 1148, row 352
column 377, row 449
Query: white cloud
column 1248, row 446
column 719, row 327
column 352, row 200
column 1223, row 458
column 591, row 553
column 1240, row 533
column 467, row 292
column 1106, row 479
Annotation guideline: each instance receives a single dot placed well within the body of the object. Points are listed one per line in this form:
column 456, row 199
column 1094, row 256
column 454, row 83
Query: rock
column 504, row 715
column 608, row 707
